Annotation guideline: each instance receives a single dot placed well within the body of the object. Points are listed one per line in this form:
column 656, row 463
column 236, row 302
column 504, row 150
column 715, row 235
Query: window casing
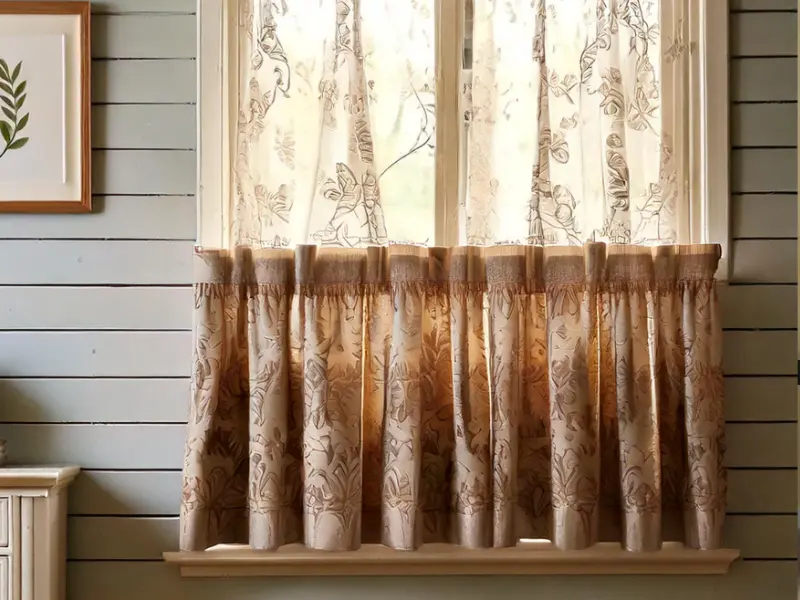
column 708, row 148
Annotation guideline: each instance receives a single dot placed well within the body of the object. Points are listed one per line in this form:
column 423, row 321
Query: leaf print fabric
column 477, row 396
column 334, row 138
column 577, row 122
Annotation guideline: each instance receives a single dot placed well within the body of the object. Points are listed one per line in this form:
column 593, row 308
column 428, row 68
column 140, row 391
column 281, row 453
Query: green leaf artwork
column 12, row 99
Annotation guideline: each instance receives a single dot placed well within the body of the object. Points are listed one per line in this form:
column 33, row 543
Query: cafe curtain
column 553, row 378
column 403, row 395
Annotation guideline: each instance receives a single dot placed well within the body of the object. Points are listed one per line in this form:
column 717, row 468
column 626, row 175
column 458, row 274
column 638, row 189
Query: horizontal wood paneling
column 763, row 79
column 98, row 538
column 26, row 307
column 144, row 36
column 94, row 400
column 763, row 34
column 768, row 580
column 746, row 491
column 126, row 493
column 765, row 124
column 112, row 217
column 144, row 126
column 763, row 5
column 145, row 447
column 760, row 306
column 121, row 81
column 95, row 354
column 771, row 536
column 760, row 398
column 759, row 352
column 138, row 447
column 167, row 400
column 95, row 262
column 138, row 493
column 760, row 445
column 143, row 6
column 765, row 261
column 126, row 172
column 764, row 170
column 764, row 216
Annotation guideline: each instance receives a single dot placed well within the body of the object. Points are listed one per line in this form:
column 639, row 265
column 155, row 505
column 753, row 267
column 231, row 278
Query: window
column 457, row 155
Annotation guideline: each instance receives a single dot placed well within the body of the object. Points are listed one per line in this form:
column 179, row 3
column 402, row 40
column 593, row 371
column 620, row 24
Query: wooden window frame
column 708, row 180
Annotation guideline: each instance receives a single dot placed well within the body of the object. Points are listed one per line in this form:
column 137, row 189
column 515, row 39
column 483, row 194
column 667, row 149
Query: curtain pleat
column 478, row 396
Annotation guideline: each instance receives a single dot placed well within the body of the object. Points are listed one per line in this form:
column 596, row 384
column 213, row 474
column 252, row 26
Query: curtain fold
column 578, row 122
column 478, row 396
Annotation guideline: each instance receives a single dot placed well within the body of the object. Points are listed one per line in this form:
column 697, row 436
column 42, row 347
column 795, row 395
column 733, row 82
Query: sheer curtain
column 578, row 122
column 335, row 138
column 543, row 381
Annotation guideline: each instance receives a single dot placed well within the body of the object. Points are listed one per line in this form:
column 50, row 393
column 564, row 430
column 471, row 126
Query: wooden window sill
column 528, row 558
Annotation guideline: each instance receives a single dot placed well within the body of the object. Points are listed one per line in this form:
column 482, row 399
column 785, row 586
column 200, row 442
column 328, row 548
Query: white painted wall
column 95, row 317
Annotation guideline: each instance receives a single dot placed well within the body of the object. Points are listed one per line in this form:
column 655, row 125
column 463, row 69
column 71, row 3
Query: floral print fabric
column 478, row 396
column 578, row 113
column 334, row 137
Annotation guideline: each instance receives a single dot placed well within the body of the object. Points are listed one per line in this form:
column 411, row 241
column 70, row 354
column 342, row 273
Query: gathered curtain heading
column 477, row 396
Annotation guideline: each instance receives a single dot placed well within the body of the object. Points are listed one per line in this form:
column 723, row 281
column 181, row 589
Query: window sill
column 529, row 558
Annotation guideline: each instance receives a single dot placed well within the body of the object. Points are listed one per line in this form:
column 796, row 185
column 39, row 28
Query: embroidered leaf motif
column 13, row 96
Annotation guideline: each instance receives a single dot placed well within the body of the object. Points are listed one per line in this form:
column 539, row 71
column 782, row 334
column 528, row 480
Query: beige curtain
column 334, row 143
column 478, row 396
column 579, row 114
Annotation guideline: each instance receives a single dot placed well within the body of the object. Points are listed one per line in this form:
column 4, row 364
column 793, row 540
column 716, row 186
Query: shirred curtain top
column 477, row 396
column 605, row 267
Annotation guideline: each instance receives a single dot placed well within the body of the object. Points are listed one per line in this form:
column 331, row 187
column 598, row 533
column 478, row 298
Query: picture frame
column 45, row 99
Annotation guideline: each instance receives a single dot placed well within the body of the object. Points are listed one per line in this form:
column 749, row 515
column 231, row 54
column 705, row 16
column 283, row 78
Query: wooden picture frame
column 45, row 90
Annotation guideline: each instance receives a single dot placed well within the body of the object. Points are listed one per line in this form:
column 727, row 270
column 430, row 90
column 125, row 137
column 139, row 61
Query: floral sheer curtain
column 535, row 383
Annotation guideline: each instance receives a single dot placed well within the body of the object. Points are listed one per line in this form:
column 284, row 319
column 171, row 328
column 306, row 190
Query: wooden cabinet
column 33, row 532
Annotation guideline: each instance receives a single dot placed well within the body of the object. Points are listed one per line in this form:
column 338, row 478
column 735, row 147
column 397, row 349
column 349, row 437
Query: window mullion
column 449, row 49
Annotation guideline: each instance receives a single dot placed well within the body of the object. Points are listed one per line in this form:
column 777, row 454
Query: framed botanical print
column 45, row 104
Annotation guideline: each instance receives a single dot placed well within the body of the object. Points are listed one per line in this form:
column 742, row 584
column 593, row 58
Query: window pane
column 578, row 121
column 399, row 47
column 335, row 132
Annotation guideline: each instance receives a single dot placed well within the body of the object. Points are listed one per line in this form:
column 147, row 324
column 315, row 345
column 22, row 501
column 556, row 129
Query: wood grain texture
column 764, row 124
column 95, row 400
column 112, row 217
column 134, row 581
column 95, row 354
column 162, row 172
column 146, row 447
column 764, row 216
column 95, row 262
column 28, row 307
column 144, row 126
column 142, row 493
column 765, row 261
column 144, row 36
column 763, row 79
column 763, row 34
column 120, row 81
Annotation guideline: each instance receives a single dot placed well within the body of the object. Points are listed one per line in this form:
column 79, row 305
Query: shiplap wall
column 95, row 316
